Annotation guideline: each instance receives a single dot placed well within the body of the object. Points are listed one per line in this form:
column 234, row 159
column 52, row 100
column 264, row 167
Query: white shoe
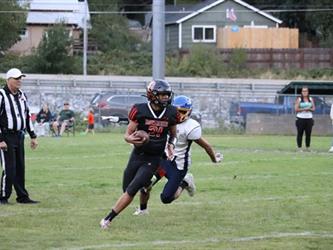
column 138, row 211
column 191, row 186
column 331, row 150
column 105, row 224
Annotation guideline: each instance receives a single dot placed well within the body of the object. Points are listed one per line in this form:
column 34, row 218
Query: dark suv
column 114, row 105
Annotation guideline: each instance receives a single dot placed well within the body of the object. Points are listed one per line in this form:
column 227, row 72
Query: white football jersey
column 187, row 132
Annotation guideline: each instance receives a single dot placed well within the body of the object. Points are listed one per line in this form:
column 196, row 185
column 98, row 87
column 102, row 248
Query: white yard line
column 160, row 243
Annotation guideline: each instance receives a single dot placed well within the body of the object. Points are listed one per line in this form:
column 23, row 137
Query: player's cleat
column 138, row 211
column 105, row 224
column 331, row 150
column 191, row 186
column 218, row 157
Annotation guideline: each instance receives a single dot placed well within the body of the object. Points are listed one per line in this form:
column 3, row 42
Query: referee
column 14, row 122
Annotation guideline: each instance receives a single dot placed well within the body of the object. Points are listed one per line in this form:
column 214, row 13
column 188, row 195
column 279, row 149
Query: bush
column 53, row 53
column 121, row 63
column 2, row 82
column 10, row 60
column 201, row 61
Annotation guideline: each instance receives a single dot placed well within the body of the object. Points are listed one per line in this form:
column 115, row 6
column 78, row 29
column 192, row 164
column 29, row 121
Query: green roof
column 315, row 87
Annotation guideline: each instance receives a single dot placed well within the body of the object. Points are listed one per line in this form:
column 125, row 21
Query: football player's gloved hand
column 218, row 157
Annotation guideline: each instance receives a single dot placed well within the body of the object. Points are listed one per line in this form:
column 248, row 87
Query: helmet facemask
column 184, row 114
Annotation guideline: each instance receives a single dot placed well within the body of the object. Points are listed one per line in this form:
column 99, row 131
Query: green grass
column 263, row 196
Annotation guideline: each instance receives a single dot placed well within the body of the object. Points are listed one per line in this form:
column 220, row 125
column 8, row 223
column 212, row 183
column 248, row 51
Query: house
column 42, row 14
column 200, row 23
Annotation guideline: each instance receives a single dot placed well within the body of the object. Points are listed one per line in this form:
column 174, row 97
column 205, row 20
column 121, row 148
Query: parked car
column 114, row 105
column 109, row 104
column 282, row 105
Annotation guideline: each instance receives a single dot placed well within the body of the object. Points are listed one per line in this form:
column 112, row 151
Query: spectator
column 44, row 117
column 91, row 122
column 304, row 106
column 15, row 121
column 331, row 114
column 64, row 119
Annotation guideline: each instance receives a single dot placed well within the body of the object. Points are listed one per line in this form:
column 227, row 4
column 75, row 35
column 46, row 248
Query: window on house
column 204, row 34
column 24, row 33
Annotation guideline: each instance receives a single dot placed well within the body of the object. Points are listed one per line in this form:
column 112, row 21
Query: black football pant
column 13, row 165
column 304, row 125
column 139, row 171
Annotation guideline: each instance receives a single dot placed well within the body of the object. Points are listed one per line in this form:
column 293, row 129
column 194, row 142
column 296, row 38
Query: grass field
column 263, row 196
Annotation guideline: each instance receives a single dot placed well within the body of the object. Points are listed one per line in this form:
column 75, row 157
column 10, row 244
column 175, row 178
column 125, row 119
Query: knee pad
column 166, row 199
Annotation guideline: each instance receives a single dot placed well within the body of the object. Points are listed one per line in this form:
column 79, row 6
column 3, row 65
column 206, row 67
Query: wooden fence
column 253, row 38
column 304, row 58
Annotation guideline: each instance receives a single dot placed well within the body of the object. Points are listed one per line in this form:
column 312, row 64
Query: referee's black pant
column 13, row 164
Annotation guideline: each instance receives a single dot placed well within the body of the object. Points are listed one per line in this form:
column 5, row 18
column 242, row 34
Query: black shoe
column 27, row 201
column 4, row 202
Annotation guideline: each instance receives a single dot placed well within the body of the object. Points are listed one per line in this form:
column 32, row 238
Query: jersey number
column 155, row 130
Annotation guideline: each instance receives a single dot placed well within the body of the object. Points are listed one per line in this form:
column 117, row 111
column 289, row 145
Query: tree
column 12, row 21
column 53, row 53
column 308, row 16
column 109, row 28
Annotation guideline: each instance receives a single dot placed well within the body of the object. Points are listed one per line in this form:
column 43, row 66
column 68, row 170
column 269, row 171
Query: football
column 141, row 134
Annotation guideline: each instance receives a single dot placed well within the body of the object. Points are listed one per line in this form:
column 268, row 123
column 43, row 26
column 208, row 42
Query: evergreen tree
column 53, row 53
column 12, row 21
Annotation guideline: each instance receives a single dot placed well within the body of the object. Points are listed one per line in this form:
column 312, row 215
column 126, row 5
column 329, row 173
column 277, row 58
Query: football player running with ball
column 158, row 118
column 176, row 170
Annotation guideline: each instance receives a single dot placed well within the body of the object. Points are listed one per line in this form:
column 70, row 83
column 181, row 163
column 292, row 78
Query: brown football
column 142, row 134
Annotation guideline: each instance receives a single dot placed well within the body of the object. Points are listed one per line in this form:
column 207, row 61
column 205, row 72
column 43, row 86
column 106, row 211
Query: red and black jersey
column 156, row 124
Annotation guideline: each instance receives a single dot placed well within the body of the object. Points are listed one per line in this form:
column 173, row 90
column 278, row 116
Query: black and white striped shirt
column 14, row 112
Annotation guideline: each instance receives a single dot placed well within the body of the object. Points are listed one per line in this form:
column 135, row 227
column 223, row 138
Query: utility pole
column 158, row 39
column 85, row 38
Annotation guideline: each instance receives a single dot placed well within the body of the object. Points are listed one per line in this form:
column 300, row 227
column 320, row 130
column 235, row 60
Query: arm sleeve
column 174, row 118
column 331, row 114
column 132, row 115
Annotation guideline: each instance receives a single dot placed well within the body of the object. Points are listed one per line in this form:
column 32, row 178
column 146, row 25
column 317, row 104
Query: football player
column 158, row 118
column 176, row 169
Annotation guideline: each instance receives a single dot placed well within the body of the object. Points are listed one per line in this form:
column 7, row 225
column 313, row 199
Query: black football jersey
column 156, row 124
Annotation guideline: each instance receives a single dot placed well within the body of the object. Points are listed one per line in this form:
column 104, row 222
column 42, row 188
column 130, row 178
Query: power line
column 177, row 12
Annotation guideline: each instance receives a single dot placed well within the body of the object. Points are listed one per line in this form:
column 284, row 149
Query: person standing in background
column 331, row 115
column 91, row 122
column 14, row 122
column 304, row 107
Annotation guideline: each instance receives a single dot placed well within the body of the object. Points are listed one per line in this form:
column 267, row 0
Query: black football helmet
column 156, row 88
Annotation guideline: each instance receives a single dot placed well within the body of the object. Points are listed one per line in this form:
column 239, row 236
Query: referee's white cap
column 14, row 73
